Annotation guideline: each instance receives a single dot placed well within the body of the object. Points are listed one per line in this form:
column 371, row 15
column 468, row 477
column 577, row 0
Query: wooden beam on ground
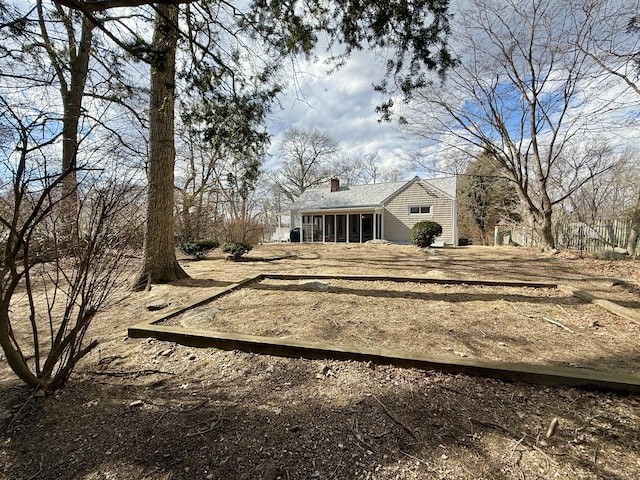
column 438, row 281
column 164, row 316
column 524, row 372
column 624, row 312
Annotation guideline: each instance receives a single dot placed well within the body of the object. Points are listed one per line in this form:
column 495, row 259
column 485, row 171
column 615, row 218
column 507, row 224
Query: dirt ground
column 146, row 409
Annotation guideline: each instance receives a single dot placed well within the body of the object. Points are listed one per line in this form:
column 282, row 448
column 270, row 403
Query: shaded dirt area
column 139, row 409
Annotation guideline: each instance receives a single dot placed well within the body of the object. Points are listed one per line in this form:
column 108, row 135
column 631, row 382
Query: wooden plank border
column 441, row 281
column 624, row 312
column 525, row 372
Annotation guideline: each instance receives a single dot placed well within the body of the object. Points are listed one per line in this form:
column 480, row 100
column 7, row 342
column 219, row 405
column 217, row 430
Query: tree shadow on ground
column 453, row 297
column 201, row 283
column 230, row 415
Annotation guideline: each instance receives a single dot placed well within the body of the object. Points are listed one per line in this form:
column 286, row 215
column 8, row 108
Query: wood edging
column 164, row 316
column 612, row 307
column 525, row 372
column 441, row 281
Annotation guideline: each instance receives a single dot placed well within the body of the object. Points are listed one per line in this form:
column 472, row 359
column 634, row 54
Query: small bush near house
column 236, row 249
column 424, row 233
column 198, row 249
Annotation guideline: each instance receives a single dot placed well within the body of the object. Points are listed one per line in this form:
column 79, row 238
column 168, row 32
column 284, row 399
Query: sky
column 341, row 105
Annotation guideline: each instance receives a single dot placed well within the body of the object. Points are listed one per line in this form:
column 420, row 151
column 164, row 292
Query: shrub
column 424, row 233
column 198, row 249
column 236, row 249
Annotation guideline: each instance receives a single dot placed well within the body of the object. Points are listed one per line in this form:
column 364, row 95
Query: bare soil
column 543, row 325
column 139, row 409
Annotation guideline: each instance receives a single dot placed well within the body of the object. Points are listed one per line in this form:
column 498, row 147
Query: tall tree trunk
column 159, row 263
column 548, row 242
column 72, row 90
column 632, row 240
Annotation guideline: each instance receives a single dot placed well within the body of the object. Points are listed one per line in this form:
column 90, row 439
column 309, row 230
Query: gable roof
column 372, row 195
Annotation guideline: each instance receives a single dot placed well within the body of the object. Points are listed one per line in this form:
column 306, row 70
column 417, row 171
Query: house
column 359, row 213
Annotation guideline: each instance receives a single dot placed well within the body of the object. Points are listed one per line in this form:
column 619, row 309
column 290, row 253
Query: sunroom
column 341, row 226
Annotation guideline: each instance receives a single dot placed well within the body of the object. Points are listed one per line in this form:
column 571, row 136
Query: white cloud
column 343, row 106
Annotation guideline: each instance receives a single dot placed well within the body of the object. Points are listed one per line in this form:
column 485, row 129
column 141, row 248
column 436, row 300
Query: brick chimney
column 335, row 184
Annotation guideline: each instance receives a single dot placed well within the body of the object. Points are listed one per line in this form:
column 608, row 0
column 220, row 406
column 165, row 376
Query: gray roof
column 444, row 184
column 355, row 196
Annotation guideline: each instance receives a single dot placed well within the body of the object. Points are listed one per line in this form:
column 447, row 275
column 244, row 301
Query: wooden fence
column 599, row 235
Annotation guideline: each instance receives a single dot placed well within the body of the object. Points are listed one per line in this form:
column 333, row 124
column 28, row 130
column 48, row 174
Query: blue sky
column 343, row 105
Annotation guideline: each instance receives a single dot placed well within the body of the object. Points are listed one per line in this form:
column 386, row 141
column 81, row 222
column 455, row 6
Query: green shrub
column 198, row 249
column 424, row 233
column 236, row 249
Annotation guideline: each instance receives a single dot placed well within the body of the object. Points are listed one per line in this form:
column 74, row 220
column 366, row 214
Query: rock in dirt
column 436, row 274
column 314, row 285
column 200, row 317
column 158, row 298
column 4, row 414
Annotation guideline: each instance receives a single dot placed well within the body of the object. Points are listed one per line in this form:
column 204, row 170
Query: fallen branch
column 521, row 441
column 396, row 419
column 552, row 427
column 212, row 426
column 135, row 373
column 357, row 436
column 37, row 474
column 553, row 322
column 546, row 319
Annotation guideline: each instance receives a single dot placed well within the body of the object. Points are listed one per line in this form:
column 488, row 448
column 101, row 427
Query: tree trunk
column 13, row 356
column 159, row 262
column 73, row 80
column 632, row 240
column 547, row 242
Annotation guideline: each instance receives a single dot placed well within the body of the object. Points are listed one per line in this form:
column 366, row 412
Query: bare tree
column 61, row 286
column 71, row 67
column 612, row 194
column 613, row 44
column 413, row 35
column 197, row 199
column 306, row 161
column 518, row 95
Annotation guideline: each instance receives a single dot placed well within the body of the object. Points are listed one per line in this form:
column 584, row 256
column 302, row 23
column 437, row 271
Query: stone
column 199, row 317
column 314, row 285
column 158, row 298
column 4, row 414
column 154, row 304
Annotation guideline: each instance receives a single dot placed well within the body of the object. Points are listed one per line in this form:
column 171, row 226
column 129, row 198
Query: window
column 419, row 209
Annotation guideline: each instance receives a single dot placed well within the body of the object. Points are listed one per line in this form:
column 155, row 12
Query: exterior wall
column 398, row 222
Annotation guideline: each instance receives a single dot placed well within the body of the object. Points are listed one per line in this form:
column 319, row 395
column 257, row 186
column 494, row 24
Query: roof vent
column 335, row 184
